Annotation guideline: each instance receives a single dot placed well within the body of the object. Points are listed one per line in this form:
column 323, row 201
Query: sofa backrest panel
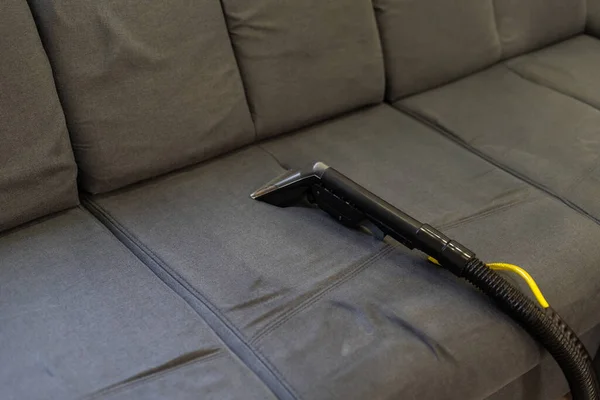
column 427, row 43
column 304, row 61
column 37, row 169
column 526, row 25
column 147, row 86
column 593, row 17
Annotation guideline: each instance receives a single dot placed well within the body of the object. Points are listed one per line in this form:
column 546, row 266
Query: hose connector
column 449, row 253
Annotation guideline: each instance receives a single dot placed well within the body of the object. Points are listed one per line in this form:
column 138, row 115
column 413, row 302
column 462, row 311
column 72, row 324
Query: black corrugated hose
column 545, row 325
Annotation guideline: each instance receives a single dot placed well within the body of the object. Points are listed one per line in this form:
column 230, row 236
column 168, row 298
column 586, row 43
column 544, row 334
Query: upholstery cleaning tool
column 353, row 206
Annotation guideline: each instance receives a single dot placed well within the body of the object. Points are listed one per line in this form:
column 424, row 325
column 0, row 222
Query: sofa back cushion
column 304, row 61
column 147, row 86
column 37, row 169
column 427, row 43
column 593, row 17
column 526, row 25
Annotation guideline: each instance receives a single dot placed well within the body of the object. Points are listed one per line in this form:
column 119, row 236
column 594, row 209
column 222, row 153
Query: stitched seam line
column 458, row 140
column 534, row 81
column 357, row 270
column 186, row 286
column 496, row 210
column 111, row 391
column 135, row 241
column 584, row 175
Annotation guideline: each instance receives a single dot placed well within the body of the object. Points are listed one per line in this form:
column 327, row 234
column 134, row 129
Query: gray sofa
column 134, row 265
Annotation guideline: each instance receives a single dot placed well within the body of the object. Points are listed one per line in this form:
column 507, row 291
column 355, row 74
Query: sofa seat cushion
column 570, row 67
column 338, row 313
column 535, row 132
column 80, row 315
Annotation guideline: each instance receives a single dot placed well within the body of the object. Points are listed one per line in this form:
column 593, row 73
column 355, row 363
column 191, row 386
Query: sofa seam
column 109, row 391
column 539, row 83
column 382, row 252
column 522, row 177
column 274, row 372
column 493, row 211
column 240, row 70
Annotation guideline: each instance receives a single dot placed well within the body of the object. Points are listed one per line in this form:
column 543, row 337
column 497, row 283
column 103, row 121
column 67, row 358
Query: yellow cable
column 525, row 275
column 517, row 270
column 433, row 260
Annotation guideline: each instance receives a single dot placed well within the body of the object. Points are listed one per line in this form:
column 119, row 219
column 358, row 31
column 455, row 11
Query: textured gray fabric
column 536, row 132
column 593, row 17
column 571, row 67
column 37, row 169
column 531, row 24
column 147, row 87
column 545, row 381
column 428, row 43
column 339, row 314
column 304, row 61
column 78, row 313
column 212, row 378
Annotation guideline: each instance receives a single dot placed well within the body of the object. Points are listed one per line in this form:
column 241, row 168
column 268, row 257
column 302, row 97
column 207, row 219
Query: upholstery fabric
column 535, row 132
column 305, row 61
column 544, row 381
column 526, row 25
column 571, row 67
column 428, row 43
column 338, row 313
column 37, row 169
column 80, row 315
column 146, row 87
column 593, row 17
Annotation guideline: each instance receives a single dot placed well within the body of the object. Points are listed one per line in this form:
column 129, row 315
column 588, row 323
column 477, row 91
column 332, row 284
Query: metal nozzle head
column 289, row 187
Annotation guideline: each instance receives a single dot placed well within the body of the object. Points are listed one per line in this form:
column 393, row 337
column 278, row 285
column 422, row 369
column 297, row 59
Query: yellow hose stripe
column 517, row 270
column 525, row 275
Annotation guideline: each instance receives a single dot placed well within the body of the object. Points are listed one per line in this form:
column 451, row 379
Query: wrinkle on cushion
column 536, row 132
column 199, row 379
column 305, row 61
column 79, row 313
column 37, row 168
column 147, row 87
column 570, row 67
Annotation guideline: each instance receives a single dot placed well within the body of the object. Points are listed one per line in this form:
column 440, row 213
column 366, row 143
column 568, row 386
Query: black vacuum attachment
column 353, row 205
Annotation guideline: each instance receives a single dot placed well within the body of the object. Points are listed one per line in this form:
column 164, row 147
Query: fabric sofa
column 134, row 264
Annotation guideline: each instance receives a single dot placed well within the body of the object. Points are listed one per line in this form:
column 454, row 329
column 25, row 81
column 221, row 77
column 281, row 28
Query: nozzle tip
column 262, row 191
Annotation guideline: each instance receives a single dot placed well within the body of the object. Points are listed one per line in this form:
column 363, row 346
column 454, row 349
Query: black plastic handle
column 399, row 225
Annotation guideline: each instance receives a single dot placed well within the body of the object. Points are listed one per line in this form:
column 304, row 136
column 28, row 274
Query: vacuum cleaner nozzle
column 288, row 188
